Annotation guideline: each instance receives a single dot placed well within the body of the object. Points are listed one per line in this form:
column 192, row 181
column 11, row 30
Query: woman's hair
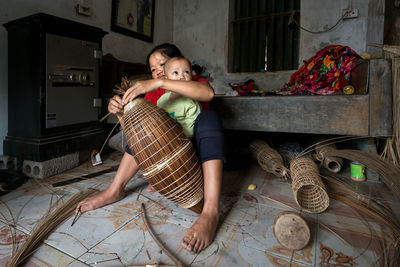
column 166, row 49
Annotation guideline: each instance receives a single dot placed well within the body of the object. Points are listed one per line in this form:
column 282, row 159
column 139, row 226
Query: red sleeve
column 154, row 96
column 201, row 79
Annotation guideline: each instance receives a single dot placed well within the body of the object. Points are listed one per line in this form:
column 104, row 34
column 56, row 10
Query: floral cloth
column 325, row 73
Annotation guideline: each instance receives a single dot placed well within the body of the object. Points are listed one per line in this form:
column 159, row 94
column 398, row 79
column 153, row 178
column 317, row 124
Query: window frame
column 288, row 52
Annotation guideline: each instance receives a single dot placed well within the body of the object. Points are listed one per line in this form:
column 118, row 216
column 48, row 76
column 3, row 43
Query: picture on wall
column 134, row 18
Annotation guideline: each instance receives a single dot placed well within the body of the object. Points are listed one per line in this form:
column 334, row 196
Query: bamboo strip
column 172, row 257
column 378, row 211
column 392, row 149
column 60, row 213
column 388, row 172
column 394, row 228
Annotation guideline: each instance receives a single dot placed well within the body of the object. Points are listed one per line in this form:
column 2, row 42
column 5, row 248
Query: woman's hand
column 115, row 106
column 139, row 88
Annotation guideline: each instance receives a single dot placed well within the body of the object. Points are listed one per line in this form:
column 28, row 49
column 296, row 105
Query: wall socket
column 350, row 13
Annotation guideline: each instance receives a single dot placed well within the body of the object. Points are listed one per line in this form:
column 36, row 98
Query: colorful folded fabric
column 325, row 73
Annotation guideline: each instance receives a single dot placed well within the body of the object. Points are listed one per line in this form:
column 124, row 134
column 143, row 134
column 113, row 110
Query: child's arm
column 174, row 96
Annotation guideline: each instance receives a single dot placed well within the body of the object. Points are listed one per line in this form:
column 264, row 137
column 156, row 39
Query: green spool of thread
column 357, row 171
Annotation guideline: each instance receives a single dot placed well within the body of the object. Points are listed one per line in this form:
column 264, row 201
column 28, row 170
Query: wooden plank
column 341, row 114
column 365, row 114
column 380, row 91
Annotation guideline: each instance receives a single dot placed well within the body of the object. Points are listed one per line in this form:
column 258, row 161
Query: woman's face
column 157, row 61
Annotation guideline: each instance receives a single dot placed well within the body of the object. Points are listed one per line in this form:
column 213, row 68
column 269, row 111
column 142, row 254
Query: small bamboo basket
column 269, row 159
column 164, row 154
column 331, row 163
column 308, row 188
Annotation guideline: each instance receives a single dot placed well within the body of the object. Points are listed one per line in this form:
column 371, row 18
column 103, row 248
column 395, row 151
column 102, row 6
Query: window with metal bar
column 263, row 35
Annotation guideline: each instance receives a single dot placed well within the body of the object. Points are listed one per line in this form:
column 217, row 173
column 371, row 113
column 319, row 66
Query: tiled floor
column 115, row 235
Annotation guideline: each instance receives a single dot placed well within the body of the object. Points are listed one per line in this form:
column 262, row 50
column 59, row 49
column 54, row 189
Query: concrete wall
column 120, row 46
column 201, row 31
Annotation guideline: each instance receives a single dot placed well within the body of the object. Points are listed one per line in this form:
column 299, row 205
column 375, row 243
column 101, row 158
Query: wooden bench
column 368, row 114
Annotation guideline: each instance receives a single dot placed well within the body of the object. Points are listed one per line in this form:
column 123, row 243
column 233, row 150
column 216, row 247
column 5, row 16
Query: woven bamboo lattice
column 164, row 154
column 308, row 188
column 331, row 163
column 269, row 159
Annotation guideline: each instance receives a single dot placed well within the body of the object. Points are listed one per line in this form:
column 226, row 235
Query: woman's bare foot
column 202, row 232
column 101, row 199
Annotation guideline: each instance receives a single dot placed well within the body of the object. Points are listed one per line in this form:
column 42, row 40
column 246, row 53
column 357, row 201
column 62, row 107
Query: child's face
column 178, row 69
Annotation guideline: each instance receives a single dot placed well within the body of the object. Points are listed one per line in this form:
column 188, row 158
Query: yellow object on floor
column 251, row 187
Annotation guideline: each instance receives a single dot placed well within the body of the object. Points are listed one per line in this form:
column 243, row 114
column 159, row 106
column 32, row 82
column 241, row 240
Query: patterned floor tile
column 11, row 239
column 345, row 248
column 342, row 216
column 253, row 230
column 48, row 256
column 90, row 229
column 133, row 245
column 115, row 234
column 28, row 209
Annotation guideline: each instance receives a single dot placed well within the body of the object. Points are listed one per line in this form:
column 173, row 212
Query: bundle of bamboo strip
column 340, row 190
column 308, row 188
column 269, row 159
column 388, row 172
column 60, row 213
column 127, row 83
column 391, row 151
column 333, row 164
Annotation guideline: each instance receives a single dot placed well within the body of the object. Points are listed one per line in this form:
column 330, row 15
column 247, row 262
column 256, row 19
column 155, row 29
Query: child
column 183, row 109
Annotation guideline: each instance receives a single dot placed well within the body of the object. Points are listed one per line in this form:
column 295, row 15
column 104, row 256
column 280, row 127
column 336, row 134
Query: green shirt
column 183, row 110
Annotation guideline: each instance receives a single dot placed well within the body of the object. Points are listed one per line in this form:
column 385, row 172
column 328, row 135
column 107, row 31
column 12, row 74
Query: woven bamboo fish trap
column 164, row 154
column 269, row 159
column 308, row 188
column 331, row 163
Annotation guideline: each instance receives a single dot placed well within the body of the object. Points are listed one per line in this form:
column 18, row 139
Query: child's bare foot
column 99, row 200
column 202, row 232
column 150, row 189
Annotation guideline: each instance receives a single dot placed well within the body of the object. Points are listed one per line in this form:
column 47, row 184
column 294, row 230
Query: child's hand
column 139, row 88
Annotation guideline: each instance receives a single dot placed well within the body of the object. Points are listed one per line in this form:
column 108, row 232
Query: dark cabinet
column 53, row 87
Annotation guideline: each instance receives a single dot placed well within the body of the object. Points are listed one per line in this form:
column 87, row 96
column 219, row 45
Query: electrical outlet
column 350, row 13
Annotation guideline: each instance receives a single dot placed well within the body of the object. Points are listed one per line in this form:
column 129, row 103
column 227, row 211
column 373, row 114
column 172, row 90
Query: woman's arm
column 199, row 91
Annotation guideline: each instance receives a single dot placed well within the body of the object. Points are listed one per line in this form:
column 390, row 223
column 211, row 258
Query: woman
column 208, row 139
